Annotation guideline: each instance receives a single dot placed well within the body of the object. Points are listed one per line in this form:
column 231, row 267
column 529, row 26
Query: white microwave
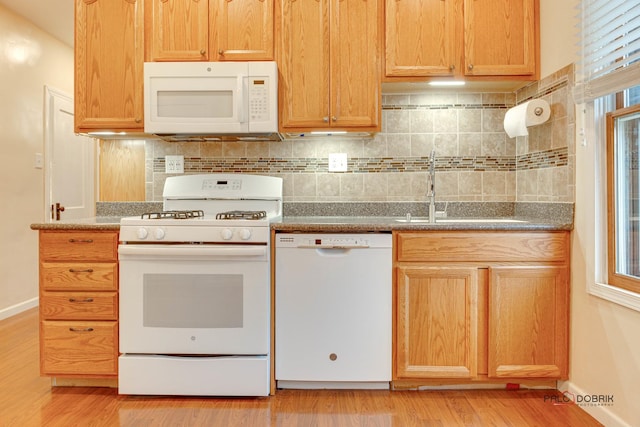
column 210, row 97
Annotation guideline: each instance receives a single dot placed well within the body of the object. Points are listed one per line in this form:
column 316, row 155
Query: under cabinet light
column 447, row 83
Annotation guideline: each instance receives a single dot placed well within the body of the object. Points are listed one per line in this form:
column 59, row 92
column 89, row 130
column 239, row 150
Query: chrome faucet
column 431, row 195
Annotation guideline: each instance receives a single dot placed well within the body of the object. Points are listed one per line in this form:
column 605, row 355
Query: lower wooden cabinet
column 83, row 348
column 437, row 315
column 78, row 304
column 528, row 318
column 481, row 306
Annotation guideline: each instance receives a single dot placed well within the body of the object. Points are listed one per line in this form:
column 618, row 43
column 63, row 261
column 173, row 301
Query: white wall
column 558, row 34
column 605, row 337
column 29, row 60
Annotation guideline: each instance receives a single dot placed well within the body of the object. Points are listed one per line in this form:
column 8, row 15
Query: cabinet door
column 303, row 58
column 500, row 37
column 177, row 30
column 422, row 37
column 528, row 322
column 242, row 30
column 109, row 57
column 436, row 322
column 355, row 63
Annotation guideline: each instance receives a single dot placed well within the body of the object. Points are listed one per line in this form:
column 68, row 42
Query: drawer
column 79, row 276
column 78, row 348
column 78, row 246
column 79, row 305
column 482, row 246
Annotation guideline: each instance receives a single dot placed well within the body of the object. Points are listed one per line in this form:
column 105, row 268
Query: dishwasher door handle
column 333, row 252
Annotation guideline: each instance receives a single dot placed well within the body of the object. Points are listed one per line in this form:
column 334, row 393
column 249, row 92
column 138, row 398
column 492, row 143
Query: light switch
column 38, row 162
column 174, row 164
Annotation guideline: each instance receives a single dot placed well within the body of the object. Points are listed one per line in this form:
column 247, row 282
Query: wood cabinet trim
column 489, row 246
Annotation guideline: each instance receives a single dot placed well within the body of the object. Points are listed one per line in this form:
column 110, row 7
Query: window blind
column 609, row 48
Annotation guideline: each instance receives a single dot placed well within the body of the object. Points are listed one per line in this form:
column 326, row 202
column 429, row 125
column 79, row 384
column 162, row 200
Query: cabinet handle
column 325, row 119
column 334, row 118
column 221, row 52
column 138, row 120
column 80, row 329
column 88, row 270
column 452, row 67
column 81, row 300
column 470, row 67
column 80, row 240
column 203, row 52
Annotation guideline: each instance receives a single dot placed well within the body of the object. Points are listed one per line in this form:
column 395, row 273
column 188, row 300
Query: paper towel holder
column 518, row 119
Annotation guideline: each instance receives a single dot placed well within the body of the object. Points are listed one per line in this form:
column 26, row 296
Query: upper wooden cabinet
column 177, row 30
column 328, row 53
column 209, row 30
column 426, row 38
column 423, row 37
column 242, row 30
column 109, row 56
column 500, row 37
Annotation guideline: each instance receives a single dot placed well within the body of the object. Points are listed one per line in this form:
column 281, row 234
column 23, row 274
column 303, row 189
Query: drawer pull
column 80, row 240
column 88, row 270
column 81, row 329
column 81, row 300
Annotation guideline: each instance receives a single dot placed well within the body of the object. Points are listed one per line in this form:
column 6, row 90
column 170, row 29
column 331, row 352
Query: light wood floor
column 28, row 400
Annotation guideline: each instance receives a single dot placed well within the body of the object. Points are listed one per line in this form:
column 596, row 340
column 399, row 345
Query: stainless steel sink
column 419, row 220
column 416, row 219
column 454, row 220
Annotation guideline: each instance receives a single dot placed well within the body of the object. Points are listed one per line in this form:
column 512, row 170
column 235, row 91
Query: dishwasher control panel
column 333, row 240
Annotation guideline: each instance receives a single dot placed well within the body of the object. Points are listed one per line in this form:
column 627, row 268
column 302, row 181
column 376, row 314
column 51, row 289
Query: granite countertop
column 337, row 224
column 365, row 217
column 93, row 223
column 382, row 224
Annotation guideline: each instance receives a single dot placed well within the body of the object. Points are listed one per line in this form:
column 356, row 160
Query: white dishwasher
column 333, row 310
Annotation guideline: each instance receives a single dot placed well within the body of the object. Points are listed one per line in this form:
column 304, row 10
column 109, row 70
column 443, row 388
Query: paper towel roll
column 530, row 113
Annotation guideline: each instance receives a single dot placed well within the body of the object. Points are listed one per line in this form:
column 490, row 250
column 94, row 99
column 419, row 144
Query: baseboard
column 5, row 313
column 600, row 412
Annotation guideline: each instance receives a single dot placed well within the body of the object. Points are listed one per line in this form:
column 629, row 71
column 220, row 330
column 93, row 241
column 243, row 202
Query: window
column 607, row 88
column 623, row 194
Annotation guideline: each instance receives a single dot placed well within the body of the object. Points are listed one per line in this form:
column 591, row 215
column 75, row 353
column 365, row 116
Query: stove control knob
column 158, row 233
column 142, row 233
column 227, row 234
column 245, row 234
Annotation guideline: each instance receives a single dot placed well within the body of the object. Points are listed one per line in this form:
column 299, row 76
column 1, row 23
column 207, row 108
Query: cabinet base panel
column 84, row 382
column 442, row 384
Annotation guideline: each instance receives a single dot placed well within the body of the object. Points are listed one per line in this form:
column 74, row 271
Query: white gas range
column 195, row 288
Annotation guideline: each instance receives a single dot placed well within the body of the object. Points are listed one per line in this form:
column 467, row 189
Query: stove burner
column 173, row 215
column 242, row 215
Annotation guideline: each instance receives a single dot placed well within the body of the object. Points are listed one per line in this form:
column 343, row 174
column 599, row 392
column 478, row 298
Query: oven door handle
column 193, row 252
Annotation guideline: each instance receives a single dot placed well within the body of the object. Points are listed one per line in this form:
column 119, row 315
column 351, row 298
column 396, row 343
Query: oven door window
column 192, row 300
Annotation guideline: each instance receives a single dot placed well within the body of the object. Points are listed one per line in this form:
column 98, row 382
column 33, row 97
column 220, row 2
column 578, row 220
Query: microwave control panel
column 258, row 99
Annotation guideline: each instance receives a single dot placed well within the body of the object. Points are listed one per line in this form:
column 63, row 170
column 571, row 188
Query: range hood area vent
column 219, row 137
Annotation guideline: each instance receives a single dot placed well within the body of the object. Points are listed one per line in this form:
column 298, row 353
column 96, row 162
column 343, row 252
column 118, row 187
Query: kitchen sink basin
column 453, row 220
column 420, row 220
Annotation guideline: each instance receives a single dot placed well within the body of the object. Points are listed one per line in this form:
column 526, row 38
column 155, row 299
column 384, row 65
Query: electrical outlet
column 338, row 162
column 174, row 164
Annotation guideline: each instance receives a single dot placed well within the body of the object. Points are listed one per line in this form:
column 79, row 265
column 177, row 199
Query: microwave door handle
column 242, row 102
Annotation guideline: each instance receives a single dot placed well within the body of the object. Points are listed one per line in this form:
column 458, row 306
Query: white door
column 69, row 162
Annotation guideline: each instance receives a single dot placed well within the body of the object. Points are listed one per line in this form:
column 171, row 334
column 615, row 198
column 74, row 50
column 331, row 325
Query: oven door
column 194, row 299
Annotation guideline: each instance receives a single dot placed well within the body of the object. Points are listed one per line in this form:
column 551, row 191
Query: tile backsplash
column 475, row 159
